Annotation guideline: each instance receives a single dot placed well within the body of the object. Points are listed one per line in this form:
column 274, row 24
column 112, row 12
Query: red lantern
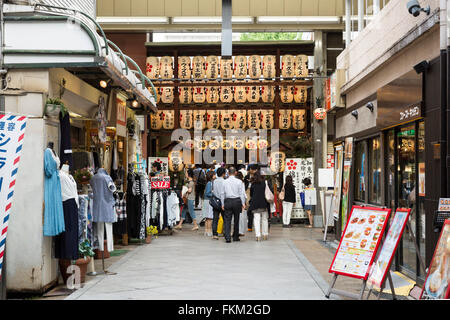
column 320, row 113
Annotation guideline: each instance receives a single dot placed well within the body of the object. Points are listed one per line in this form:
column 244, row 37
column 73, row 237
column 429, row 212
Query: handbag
column 214, row 201
column 184, row 191
column 281, row 195
column 268, row 194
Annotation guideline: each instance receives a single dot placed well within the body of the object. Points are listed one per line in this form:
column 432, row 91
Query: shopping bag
column 302, row 199
column 268, row 194
column 220, row 225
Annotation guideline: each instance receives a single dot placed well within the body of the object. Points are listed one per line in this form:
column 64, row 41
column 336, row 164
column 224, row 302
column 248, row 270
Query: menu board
column 438, row 278
column 383, row 261
column 360, row 241
column 444, row 204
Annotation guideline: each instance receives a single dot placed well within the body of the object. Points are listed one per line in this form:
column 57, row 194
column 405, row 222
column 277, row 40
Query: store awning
column 42, row 36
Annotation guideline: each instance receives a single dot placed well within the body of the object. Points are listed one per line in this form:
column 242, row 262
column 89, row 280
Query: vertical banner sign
column 336, row 200
column 348, row 155
column 12, row 132
column 299, row 168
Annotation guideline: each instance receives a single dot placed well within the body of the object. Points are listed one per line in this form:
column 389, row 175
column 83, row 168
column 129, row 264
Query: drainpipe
column 443, row 87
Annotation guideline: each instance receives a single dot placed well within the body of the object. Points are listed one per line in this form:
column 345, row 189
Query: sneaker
column 228, row 241
column 215, row 238
column 236, row 240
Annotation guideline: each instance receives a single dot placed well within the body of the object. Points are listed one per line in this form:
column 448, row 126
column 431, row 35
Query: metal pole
column 227, row 33
column 376, row 7
column 360, row 15
column 3, row 278
column 348, row 31
column 446, row 17
column 443, row 87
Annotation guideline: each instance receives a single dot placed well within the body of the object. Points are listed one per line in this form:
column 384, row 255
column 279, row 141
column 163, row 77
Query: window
column 375, row 170
column 360, row 181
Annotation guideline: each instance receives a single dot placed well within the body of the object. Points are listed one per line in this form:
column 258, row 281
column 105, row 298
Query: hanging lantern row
column 226, row 144
column 229, row 119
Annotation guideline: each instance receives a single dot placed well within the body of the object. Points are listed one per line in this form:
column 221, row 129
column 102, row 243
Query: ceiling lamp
column 104, row 83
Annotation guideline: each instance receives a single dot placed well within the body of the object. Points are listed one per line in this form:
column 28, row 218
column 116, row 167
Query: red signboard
column 327, row 89
column 160, row 183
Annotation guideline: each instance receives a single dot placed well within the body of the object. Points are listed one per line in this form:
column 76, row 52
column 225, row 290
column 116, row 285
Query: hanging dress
column 53, row 211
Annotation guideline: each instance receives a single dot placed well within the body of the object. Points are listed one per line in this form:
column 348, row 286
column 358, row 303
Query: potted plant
column 82, row 176
column 53, row 106
column 85, row 255
column 151, row 230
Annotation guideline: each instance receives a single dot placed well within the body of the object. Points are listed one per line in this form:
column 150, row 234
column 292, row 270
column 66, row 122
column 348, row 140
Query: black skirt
column 66, row 243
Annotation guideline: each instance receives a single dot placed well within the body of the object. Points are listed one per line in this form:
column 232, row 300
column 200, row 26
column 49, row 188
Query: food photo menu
column 360, row 241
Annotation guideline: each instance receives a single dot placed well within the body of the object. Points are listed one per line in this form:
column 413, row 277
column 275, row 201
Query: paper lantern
column 166, row 67
column 185, row 94
column 263, row 144
column 213, row 119
column 212, row 94
column 300, row 94
column 158, row 94
column 254, row 66
column 298, row 119
column 320, row 113
column 240, row 67
column 198, row 67
column 277, row 161
column 175, row 160
column 288, row 66
column 189, row 144
column 239, row 144
column 167, row 94
column 253, row 94
column 227, row 144
column 286, row 94
column 240, row 119
column 186, row 119
column 268, row 66
column 152, row 67
column 301, row 66
column 226, row 119
column 200, row 144
column 268, row 93
column 240, row 94
column 226, row 68
column 212, row 67
column 253, row 119
column 267, row 119
column 226, row 94
column 168, row 119
column 184, row 67
column 214, row 144
column 156, row 120
column 251, row 144
column 285, row 119
column 199, row 119
column 198, row 95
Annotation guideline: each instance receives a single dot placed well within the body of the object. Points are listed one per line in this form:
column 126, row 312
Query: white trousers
column 101, row 226
column 287, row 211
column 243, row 222
column 261, row 219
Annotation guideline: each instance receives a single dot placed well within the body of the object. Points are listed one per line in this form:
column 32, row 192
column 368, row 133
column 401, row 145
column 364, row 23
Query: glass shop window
column 360, row 181
column 375, row 170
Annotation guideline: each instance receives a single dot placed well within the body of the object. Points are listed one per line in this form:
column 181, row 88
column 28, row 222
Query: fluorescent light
column 133, row 20
column 211, row 20
column 298, row 19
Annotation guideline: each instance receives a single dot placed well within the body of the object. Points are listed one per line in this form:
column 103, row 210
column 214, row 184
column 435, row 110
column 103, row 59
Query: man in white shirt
column 234, row 194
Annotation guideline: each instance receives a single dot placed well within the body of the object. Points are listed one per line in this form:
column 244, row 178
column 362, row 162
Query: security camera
column 355, row 113
column 415, row 9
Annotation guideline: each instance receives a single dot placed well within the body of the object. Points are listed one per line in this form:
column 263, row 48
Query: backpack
column 201, row 178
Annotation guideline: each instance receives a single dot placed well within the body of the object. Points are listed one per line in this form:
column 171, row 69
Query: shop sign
column 444, row 205
column 121, row 118
column 12, row 133
column 160, row 183
column 164, row 161
column 327, row 94
column 359, row 244
column 348, row 155
column 336, row 199
column 298, row 169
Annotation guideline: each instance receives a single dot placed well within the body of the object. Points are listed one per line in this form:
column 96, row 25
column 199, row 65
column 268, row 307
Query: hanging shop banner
column 166, row 67
column 212, row 94
column 268, row 66
column 213, row 119
column 168, row 119
column 152, row 67
column 212, row 67
column 240, row 67
column 382, row 264
column 226, row 68
column 254, row 121
column 12, row 133
column 199, row 119
column 156, row 120
column 167, row 95
column 348, row 155
column 286, row 94
column 240, row 119
column 299, row 169
column 198, row 67
column 359, row 244
column 253, row 94
column 268, row 93
column 240, row 94
column 184, row 67
column 160, row 183
column 285, row 119
column 421, row 179
column 301, row 66
column 277, row 161
column 226, row 94
column 185, row 94
column 254, row 66
column 267, row 119
column 437, row 283
column 327, row 94
column 186, row 119
column 198, row 95
column 300, row 94
column 288, row 66
column 121, row 122
column 164, row 161
column 226, row 119
column 299, row 119
column 337, row 191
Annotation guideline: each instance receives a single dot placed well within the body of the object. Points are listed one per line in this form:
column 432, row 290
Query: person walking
column 258, row 206
column 243, row 216
column 200, row 183
column 208, row 213
column 310, row 197
column 288, row 201
column 233, row 205
column 247, row 182
column 189, row 198
column 218, row 191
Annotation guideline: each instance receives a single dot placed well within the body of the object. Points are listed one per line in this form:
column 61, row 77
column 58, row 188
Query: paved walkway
column 191, row 266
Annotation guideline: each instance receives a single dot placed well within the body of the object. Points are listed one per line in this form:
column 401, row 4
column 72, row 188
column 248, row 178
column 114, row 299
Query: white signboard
column 299, row 168
column 326, row 178
column 164, row 161
column 12, row 132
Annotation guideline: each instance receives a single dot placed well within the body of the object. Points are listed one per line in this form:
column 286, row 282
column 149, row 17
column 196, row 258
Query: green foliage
column 270, row 36
column 82, row 175
column 301, row 148
column 85, row 249
column 58, row 102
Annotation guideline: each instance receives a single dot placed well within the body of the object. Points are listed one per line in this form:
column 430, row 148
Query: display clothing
column 66, row 142
column 100, row 228
column 173, row 209
column 85, row 223
column 53, row 211
column 103, row 188
column 139, row 209
column 120, row 227
column 68, row 187
column 66, row 243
